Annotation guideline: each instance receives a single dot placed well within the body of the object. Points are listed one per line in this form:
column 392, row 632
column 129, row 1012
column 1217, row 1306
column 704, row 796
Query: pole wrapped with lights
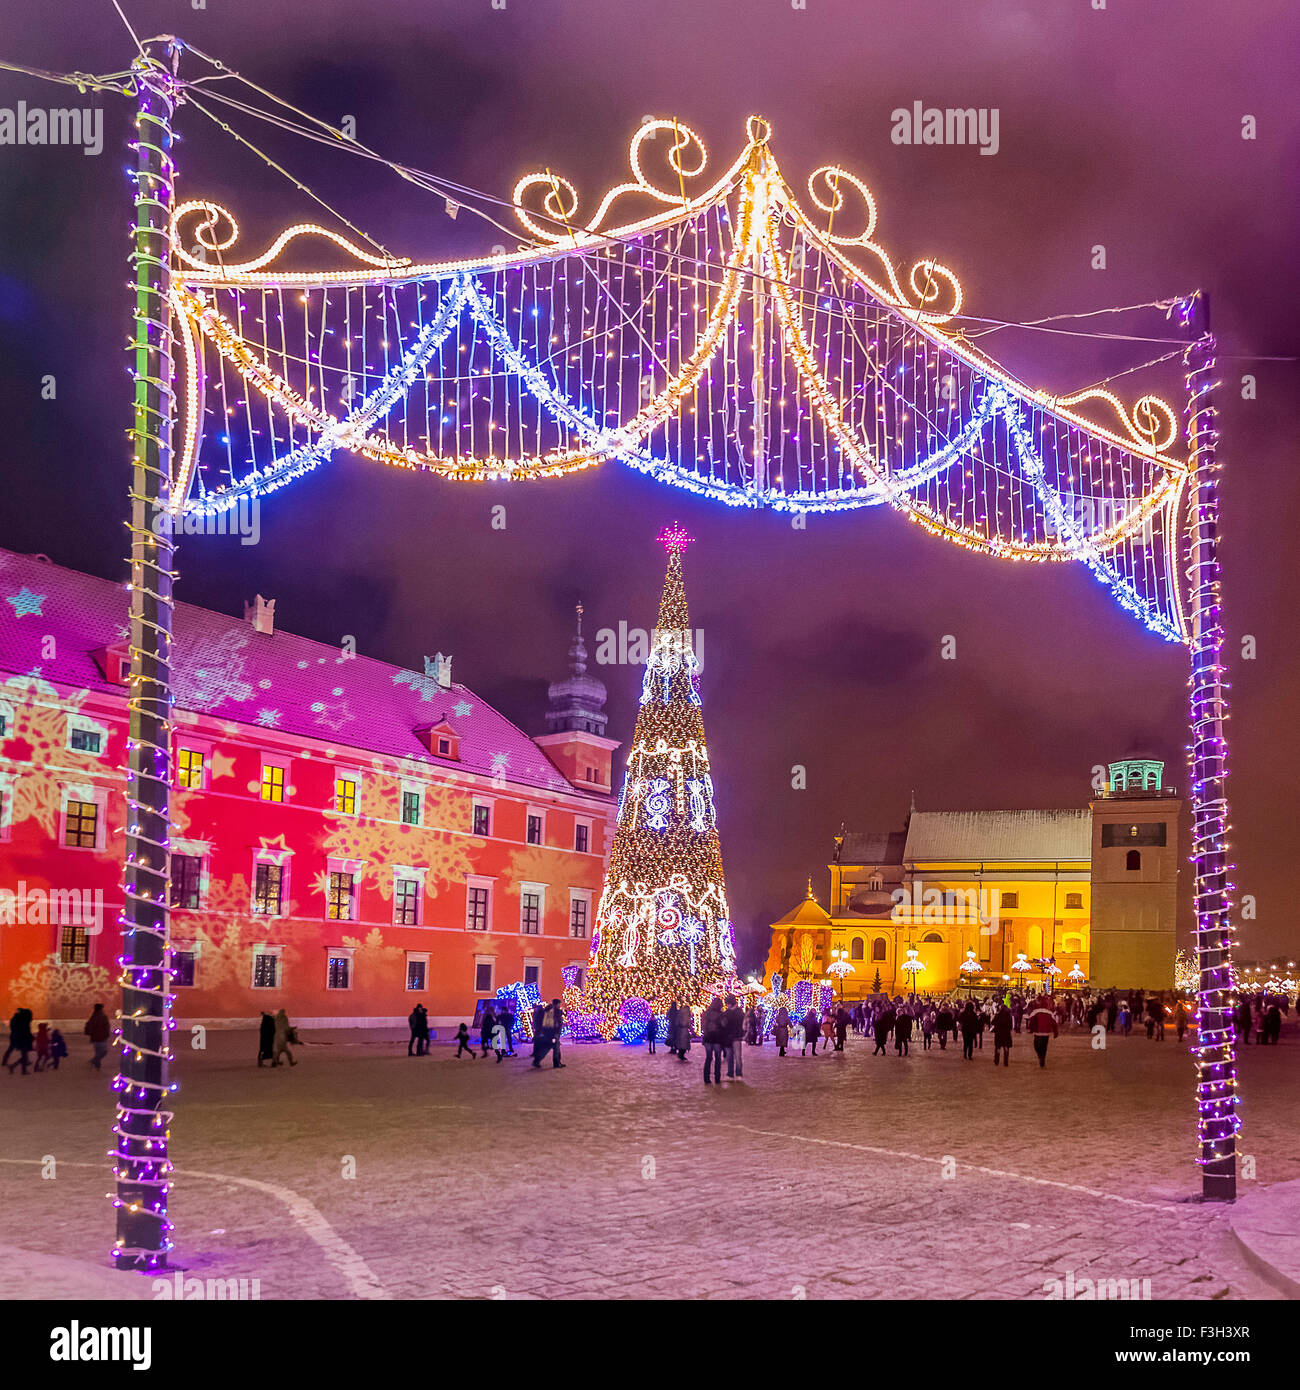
column 1214, row 1049
column 140, row 1134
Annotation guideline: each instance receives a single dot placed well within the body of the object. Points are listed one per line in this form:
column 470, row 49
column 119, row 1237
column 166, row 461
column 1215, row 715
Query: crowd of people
column 46, row 1046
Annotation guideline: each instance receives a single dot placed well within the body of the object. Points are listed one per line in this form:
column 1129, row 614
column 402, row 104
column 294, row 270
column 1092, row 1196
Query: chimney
column 261, row 613
column 438, row 668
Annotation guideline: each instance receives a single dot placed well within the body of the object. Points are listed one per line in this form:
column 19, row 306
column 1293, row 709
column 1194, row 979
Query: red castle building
column 348, row 837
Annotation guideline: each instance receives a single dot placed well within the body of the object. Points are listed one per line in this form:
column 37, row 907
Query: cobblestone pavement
column 846, row 1176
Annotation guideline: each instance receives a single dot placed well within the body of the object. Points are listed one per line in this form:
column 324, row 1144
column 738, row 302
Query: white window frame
column 579, row 895
column 540, row 890
column 262, row 949
column 282, row 859
column 76, row 791
column 8, row 795
column 194, row 849
column 416, row 957
column 491, row 963
column 490, row 803
column 285, row 765
column 408, row 872
column 348, row 951
column 186, row 948
column 204, row 748
column 343, row 774
column 480, row 881
column 540, row 813
column 82, row 723
column 416, row 788
column 355, row 867
column 591, row 834
column 7, row 714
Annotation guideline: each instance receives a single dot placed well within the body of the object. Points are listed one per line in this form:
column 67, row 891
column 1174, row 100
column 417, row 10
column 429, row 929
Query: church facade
column 989, row 898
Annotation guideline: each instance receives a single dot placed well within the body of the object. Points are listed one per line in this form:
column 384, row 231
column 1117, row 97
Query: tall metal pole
column 141, row 1133
column 1215, row 1050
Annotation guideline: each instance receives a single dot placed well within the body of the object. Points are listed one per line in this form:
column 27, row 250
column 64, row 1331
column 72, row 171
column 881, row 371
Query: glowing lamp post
column 1022, row 966
column 969, row 967
column 1076, row 976
column 913, row 966
column 839, row 967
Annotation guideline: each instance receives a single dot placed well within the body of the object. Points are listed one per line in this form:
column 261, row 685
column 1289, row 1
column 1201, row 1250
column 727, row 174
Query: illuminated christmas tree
column 663, row 928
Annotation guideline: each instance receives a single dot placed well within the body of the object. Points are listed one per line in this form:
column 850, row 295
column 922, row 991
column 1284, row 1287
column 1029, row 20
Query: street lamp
column 840, row 967
column 1021, row 966
column 913, row 966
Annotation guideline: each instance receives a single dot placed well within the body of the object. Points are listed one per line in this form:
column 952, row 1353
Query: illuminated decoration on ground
column 912, row 966
column 806, row 995
column 970, row 966
column 521, row 999
column 634, row 1018
column 663, row 928
column 1076, row 976
column 1022, row 965
column 644, row 341
column 579, row 1025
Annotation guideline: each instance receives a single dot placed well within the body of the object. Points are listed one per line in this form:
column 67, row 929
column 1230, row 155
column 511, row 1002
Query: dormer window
column 115, row 662
column 440, row 739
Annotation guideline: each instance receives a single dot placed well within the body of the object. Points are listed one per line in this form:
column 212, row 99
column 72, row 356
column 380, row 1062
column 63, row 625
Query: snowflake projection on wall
column 269, row 718
column 52, row 987
column 210, row 672
column 462, row 709
column 332, row 714
column 426, row 687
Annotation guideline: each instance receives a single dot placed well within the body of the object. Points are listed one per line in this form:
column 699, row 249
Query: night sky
column 822, row 647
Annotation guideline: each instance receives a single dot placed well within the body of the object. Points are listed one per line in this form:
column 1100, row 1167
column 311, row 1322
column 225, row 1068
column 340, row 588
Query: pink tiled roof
column 223, row 668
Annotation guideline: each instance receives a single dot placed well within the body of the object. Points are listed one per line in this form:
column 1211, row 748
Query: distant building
column 348, row 837
column 975, row 895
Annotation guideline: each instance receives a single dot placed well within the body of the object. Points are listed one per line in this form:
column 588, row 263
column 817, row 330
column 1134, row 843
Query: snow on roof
column 1014, row 836
column 224, row 668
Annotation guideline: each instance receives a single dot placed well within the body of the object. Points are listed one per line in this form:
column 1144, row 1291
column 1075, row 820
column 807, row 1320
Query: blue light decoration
column 521, row 999
column 634, row 1018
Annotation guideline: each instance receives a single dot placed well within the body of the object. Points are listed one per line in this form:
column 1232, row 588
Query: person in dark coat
column 943, row 1023
column 1041, row 1020
column 1180, row 1019
column 97, row 1029
column 486, row 1024
column 651, row 1032
column 672, row 1026
column 505, row 1018
column 781, row 1030
column 415, row 1044
column 752, row 1038
column 1272, row 1029
column 58, row 1048
column 265, row 1039
column 969, row 1024
column 463, row 1043
column 812, row 1028
column 882, row 1026
column 902, row 1033
column 841, row 1027
column 1003, row 1027
column 713, row 1031
column 734, row 1018
column 21, row 1040
column 1243, row 1020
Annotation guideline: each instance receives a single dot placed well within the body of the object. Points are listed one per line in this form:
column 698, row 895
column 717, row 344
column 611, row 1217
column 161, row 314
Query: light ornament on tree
column 663, row 926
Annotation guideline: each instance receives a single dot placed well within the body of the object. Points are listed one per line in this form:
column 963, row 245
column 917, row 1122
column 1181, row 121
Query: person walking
column 881, row 1027
column 463, row 1043
column 1180, row 1019
column 418, row 1021
column 734, row 1018
column 943, row 1022
column 672, row 1027
column 713, row 1030
column 651, row 1029
column 58, row 1048
column 970, row 1026
column 1243, row 1019
column 781, row 1030
column 97, row 1029
column 752, row 1038
column 487, row 1023
column 903, row 1032
column 811, row 1031
column 1042, row 1024
column 841, row 1027
column 1271, row 1029
column 505, row 1017
column 42, row 1045
column 265, row 1039
column 285, row 1033
column 552, row 1028
column 1003, row 1027
column 500, row 1037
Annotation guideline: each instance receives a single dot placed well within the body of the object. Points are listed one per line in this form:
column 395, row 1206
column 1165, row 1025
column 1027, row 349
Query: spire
column 577, row 703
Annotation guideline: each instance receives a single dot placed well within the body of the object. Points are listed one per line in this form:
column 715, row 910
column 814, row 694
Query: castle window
column 879, row 948
column 1074, row 900
column 931, row 936
column 855, row 949
column 1133, row 859
column 1011, row 900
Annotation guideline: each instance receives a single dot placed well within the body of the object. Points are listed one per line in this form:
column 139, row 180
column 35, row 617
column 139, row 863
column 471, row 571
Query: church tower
column 1135, row 822
column 575, row 723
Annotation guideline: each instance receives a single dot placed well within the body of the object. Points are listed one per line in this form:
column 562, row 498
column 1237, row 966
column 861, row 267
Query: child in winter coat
column 42, row 1046
column 463, row 1043
column 58, row 1048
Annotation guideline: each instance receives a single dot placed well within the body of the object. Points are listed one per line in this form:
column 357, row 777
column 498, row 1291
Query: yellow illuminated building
column 991, row 897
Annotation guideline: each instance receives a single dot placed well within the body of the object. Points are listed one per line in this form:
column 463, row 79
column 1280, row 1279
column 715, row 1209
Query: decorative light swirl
column 561, row 209
column 211, row 217
column 1153, row 423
